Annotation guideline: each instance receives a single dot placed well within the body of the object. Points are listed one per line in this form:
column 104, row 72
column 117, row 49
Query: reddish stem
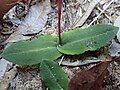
column 25, row 1
column 59, row 20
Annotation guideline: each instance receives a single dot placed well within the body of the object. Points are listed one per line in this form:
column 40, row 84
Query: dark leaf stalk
column 59, row 21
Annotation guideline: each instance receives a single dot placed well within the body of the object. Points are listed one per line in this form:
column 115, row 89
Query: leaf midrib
column 87, row 38
column 29, row 51
column 53, row 76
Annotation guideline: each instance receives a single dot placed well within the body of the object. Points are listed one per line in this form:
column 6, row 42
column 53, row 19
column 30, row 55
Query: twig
column 92, row 5
column 85, row 62
column 80, row 63
column 61, row 60
column 105, row 14
column 101, row 12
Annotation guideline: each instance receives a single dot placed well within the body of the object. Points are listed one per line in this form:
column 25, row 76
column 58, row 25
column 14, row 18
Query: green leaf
column 79, row 40
column 32, row 52
column 53, row 76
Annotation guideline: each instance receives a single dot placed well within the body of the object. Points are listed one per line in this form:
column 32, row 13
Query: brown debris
column 5, row 6
column 91, row 79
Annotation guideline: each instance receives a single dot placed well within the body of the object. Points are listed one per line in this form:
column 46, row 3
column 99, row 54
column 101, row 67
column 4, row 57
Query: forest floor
column 75, row 13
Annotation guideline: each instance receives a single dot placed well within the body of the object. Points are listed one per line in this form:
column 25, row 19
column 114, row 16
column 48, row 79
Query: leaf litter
column 33, row 22
column 109, row 15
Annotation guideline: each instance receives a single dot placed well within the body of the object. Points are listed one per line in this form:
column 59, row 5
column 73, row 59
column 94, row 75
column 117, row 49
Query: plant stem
column 59, row 20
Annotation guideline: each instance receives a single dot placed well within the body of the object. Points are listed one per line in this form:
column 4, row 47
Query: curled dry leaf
column 91, row 79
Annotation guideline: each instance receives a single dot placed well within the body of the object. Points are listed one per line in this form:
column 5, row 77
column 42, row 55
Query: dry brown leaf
column 5, row 6
column 91, row 79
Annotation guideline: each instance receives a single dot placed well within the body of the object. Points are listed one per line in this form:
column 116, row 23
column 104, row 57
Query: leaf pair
column 76, row 41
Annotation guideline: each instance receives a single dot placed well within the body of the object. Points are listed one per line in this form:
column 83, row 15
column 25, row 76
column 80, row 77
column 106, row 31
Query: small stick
column 82, row 20
column 101, row 12
column 105, row 14
column 61, row 60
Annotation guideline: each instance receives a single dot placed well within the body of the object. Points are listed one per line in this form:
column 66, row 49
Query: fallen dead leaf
column 91, row 79
column 36, row 19
column 15, row 37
